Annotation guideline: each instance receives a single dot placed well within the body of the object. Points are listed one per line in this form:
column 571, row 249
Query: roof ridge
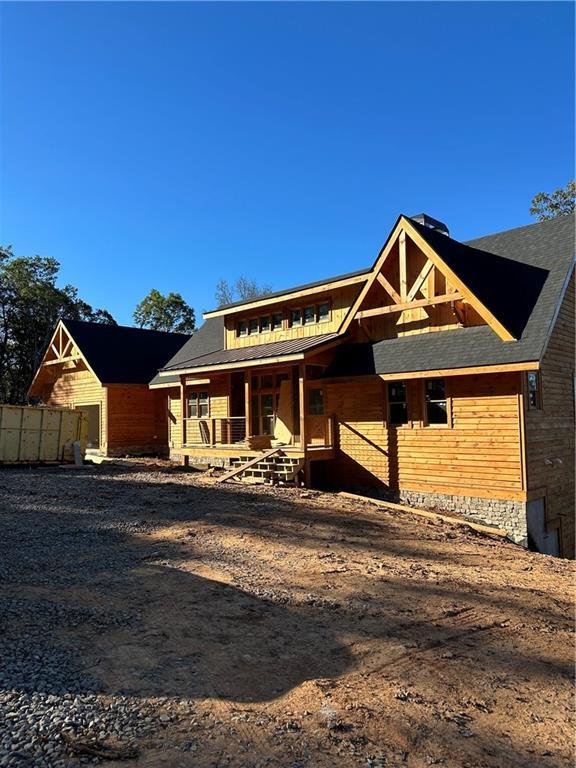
column 95, row 324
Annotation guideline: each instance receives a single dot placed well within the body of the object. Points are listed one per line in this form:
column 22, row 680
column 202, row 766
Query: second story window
column 324, row 312
column 436, row 402
column 253, row 325
column 397, row 403
column 265, row 324
column 295, row 317
column 277, row 319
column 309, row 315
column 242, row 328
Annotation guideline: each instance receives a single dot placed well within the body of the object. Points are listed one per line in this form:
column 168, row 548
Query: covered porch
column 254, row 409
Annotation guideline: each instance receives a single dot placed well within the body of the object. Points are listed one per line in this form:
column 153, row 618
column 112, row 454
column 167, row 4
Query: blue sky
column 169, row 144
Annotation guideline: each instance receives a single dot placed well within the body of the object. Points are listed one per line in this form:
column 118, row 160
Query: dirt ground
column 279, row 627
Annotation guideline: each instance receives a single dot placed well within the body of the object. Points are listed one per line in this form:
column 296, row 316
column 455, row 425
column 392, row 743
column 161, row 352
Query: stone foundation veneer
column 510, row 515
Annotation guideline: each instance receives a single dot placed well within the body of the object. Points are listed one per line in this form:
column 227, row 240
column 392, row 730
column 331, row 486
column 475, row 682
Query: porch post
column 302, row 403
column 248, row 402
column 183, row 414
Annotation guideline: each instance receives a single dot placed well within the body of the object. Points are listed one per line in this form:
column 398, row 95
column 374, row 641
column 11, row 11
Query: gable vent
column 430, row 223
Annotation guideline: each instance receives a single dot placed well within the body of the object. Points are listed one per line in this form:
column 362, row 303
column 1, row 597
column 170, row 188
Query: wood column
column 302, row 403
column 248, row 401
column 183, row 411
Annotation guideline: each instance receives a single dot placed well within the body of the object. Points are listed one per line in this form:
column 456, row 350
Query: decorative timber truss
column 62, row 355
column 410, row 280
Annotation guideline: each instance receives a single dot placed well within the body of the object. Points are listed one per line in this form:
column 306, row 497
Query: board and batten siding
column 550, row 431
column 340, row 301
column 479, row 455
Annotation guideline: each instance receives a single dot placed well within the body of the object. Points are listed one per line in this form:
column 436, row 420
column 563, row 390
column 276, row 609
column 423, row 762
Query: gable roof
column 547, row 248
column 508, row 288
column 119, row 354
column 208, row 338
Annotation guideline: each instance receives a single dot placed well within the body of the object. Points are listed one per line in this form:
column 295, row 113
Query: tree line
column 31, row 303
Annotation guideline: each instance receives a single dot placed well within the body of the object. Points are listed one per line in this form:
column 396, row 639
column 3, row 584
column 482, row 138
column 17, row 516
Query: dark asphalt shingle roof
column 256, row 352
column 208, row 338
column 546, row 246
column 518, row 274
column 121, row 355
column 508, row 288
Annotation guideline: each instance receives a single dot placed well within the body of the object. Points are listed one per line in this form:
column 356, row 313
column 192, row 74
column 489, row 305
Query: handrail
column 214, row 430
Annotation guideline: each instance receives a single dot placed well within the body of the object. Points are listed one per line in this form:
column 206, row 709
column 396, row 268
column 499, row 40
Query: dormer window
column 253, row 326
column 277, row 319
column 242, row 328
column 265, row 324
column 309, row 315
column 323, row 312
column 295, row 317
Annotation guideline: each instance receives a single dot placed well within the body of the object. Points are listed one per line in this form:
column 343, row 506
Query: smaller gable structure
column 104, row 371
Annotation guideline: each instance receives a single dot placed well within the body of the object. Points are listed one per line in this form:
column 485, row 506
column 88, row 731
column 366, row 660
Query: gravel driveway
column 151, row 618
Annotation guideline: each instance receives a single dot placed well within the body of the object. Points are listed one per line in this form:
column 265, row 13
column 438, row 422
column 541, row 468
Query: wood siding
column 76, row 388
column 550, row 431
column 340, row 300
column 479, row 455
column 442, row 317
column 218, row 394
column 174, row 419
column 137, row 419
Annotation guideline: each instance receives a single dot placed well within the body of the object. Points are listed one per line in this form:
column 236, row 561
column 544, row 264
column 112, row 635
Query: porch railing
column 231, row 430
column 214, row 431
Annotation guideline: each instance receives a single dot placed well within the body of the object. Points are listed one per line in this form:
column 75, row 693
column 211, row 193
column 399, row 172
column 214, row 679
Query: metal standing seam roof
column 256, row 352
column 208, row 338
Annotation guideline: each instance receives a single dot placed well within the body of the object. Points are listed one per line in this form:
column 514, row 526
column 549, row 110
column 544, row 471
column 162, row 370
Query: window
column 277, row 318
column 253, row 325
column 534, row 400
column 266, row 381
column 309, row 315
column 295, row 317
column 436, row 403
column 324, row 312
column 198, row 405
column 242, row 328
column 315, row 402
column 265, row 324
column 397, row 404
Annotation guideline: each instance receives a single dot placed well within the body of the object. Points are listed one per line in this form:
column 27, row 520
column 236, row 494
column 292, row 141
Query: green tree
column 165, row 313
column 30, row 306
column 241, row 290
column 558, row 203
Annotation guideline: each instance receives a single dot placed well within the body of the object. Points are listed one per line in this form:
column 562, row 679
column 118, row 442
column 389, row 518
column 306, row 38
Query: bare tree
column 243, row 289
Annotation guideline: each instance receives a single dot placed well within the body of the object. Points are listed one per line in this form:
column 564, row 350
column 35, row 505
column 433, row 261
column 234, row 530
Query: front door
column 265, row 400
column 263, row 413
